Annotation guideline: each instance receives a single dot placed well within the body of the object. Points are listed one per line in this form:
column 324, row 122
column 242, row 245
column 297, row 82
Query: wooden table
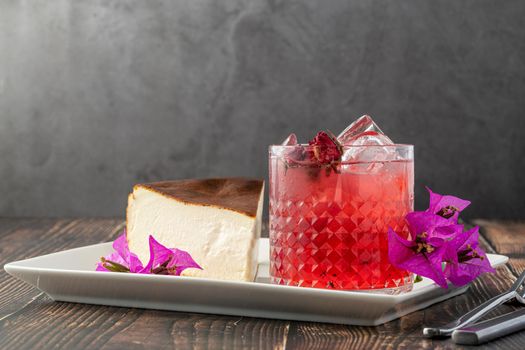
column 30, row 320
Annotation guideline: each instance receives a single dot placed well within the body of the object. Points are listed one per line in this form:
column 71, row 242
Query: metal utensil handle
column 469, row 317
column 477, row 312
column 491, row 329
column 487, row 306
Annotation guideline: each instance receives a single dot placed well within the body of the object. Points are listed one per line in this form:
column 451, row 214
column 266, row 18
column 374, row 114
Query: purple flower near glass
column 446, row 206
column 438, row 247
column 465, row 259
column 162, row 261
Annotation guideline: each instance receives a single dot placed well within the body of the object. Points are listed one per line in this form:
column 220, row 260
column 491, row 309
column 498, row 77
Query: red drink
column 328, row 224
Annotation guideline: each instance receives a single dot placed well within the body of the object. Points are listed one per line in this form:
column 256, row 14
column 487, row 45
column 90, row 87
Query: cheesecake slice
column 218, row 221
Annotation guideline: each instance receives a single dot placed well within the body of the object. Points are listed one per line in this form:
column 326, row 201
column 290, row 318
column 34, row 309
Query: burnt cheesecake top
column 234, row 193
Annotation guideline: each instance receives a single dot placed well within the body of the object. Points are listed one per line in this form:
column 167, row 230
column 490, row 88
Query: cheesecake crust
column 233, row 193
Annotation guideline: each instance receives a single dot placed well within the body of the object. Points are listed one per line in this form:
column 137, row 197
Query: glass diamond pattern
column 330, row 230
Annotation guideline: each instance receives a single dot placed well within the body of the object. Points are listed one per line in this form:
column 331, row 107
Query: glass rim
column 305, row 145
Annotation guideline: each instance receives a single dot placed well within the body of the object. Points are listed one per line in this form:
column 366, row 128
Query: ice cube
column 291, row 153
column 374, row 153
column 290, row 140
column 364, row 132
column 371, row 138
column 360, row 127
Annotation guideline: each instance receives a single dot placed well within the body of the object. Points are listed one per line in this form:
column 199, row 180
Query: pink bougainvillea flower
column 446, row 206
column 465, row 259
column 417, row 256
column 121, row 260
column 324, row 149
column 435, row 226
column 163, row 261
column 423, row 254
column 438, row 247
column 166, row 261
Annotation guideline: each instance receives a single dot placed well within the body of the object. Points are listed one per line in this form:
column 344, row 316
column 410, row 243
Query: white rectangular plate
column 70, row 276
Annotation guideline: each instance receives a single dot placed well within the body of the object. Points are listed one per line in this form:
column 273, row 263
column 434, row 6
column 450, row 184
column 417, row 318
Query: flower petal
column 158, row 254
column 437, row 202
column 101, row 267
column 421, row 221
column 402, row 256
column 461, row 273
column 122, row 255
column 447, row 232
column 399, row 249
column 130, row 259
column 176, row 258
column 182, row 260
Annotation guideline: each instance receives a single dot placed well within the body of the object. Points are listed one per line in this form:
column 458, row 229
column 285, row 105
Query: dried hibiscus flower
column 324, row 149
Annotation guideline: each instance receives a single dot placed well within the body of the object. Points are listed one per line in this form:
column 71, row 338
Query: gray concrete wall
column 96, row 95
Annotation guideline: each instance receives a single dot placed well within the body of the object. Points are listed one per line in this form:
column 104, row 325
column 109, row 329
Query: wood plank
column 48, row 324
column 197, row 331
column 507, row 238
column 26, row 238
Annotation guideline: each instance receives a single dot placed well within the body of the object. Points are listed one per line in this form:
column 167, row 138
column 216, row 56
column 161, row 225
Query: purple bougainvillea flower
column 438, row 247
column 417, row 256
column 446, row 206
column 168, row 261
column 423, row 254
column 163, row 261
column 121, row 258
column 435, row 226
column 465, row 259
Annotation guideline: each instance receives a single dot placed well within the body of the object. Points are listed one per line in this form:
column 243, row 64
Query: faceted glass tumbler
column 329, row 222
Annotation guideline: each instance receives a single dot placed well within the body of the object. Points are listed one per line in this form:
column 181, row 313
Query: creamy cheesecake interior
column 218, row 221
